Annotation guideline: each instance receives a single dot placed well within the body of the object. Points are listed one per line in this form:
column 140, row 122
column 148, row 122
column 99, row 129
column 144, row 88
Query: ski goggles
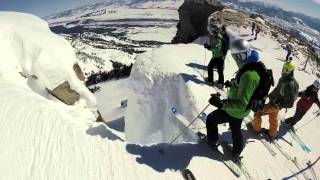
column 240, row 57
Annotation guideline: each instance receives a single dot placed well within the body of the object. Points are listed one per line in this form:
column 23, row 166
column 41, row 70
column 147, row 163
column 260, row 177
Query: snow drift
column 35, row 58
column 161, row 79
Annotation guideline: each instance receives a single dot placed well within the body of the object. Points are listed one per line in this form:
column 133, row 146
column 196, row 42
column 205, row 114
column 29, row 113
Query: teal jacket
column 238, row 97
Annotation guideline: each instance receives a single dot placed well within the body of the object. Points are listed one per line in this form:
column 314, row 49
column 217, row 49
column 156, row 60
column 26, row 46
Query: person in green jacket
column 283, row 96
column 218, row 46
column 233, row 109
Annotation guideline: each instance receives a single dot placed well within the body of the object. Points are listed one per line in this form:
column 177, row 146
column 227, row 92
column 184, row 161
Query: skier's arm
column 317, row 102
column 248, row 83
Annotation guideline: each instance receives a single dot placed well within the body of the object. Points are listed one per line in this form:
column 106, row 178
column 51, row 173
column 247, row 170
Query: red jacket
column 308, row 97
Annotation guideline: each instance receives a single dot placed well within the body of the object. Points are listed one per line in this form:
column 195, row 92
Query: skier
column 283, row 96
column 257, row 31
column 217, row 47
column 289, row 49
column 234, row 109
column 307, row 98
column 253, row 27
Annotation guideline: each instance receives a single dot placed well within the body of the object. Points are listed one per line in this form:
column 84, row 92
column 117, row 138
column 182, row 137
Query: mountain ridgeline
column 273, row 11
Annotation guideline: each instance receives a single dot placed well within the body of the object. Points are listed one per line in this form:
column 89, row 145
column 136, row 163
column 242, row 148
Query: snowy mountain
column 291, row 21
column 108, row 33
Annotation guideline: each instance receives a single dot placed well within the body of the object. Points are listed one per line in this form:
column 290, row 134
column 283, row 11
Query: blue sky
column 46, row 7
column 42, row 7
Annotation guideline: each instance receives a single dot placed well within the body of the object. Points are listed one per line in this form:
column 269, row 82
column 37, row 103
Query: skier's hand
column 207, row 46
column 230, row 83
column 215, row 100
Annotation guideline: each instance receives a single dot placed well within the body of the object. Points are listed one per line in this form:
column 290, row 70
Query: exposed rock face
column 78, row 72
column 193, row 15
column 231, row 17
column 65, row 94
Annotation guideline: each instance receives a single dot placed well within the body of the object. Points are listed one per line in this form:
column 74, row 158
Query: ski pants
column 273, row 112
column 288, row 55
column 296, row 117
column 217, row 62
column 219, row 116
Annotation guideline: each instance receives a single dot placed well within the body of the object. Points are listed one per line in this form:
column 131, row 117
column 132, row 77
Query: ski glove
column 230, row 83
column 207, row 46
column 215, row 100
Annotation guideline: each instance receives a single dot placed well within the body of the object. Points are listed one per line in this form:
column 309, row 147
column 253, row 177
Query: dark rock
column 193, row 15
column 65, row 94
column 78, row 72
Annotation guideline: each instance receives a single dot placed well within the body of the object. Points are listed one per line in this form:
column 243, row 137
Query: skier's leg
column 273, row 120
column 237, row 138
column 210, row 70
column 256, row 123
column 220, row 64
column 296, row 118
column 216, row 117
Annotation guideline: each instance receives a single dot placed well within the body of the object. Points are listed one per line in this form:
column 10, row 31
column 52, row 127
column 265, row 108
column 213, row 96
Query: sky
column 43, row 8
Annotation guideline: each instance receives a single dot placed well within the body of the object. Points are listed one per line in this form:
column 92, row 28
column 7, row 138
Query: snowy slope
column 44, row 139
column 160, row 80
column 116, row 31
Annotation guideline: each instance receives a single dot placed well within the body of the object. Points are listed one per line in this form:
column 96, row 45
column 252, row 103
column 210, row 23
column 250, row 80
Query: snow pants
column 296, row 117
column 219, row 117
column 273, row 112
column 217, row 62
column 288, row 55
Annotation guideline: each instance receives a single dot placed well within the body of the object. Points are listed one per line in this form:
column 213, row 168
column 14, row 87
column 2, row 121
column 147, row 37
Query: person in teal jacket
column 233, row 109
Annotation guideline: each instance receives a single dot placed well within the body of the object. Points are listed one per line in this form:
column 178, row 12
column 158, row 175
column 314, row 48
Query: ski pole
column 306, row 123
column 204, row 61
column 182, row 131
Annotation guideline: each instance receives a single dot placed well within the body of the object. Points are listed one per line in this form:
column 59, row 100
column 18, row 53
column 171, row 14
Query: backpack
column 260, row 94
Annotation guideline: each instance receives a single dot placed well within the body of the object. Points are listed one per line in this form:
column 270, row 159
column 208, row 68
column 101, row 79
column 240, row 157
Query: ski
column 294, row 160
column 236, row 168
column 261, row 139
column 296, row 138
column 227, row 162
column 239, row 164
column 314, row 175
column 187, row 174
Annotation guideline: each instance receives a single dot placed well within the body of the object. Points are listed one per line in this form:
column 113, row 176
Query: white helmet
column 240, row 51
column 213, row 24
column 316, row 84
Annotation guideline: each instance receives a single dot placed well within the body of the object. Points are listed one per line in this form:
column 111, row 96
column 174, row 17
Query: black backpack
column 260, row 94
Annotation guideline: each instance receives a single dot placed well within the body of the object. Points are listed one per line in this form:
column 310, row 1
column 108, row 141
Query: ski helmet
column 240, row 51
column 316, row 84
column 288, row 69
column 253, row 56
column 213, row 24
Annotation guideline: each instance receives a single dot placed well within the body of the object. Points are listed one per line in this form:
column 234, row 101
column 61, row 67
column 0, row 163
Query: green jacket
column 286, row 92
column 217, row 45
column 239, row 97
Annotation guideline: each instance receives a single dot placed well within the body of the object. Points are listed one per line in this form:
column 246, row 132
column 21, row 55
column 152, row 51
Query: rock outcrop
column 193, row 15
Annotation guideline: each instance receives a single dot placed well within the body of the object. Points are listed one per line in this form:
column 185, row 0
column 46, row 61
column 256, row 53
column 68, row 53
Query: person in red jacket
column 307, row 98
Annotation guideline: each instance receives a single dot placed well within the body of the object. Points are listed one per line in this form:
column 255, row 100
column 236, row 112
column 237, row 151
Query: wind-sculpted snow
column 33, row 57
column 158, row 79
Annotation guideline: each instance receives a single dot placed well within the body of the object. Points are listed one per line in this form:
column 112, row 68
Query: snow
column 152, row 34
column 42, row 138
